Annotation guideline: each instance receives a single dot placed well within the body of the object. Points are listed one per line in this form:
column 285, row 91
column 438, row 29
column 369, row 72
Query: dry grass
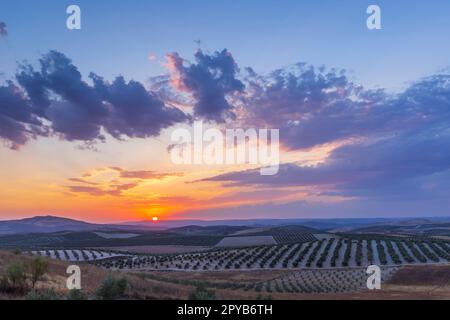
column 225, row 276
column 92, row 277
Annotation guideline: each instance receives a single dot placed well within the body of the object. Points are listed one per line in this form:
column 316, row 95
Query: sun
column 155, row 219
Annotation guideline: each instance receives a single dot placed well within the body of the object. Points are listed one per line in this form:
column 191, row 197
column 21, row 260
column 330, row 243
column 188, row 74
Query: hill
column 52, row 224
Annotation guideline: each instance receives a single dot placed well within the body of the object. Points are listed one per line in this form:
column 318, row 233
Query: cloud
column 78, row 111
column 395, row 166
column 18, row 124
column 144, row 174
column 113, row 190
column 113, row 181
column 210, row 81
column 314, row 106
column 3, row 30
column 134, row 111
column 366, row 208
column 403, row 150
column 311, row 106
column 82, row 181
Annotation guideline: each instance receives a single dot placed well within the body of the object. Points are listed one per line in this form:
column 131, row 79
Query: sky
column 86, row 115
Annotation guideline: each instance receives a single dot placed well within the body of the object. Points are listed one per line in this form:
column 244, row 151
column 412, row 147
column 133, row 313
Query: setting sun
column 155, row 218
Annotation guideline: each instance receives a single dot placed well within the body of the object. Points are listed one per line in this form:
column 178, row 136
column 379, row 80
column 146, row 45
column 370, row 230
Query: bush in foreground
column 76, row 294
column 201, row 293
column 15, row 278
column 42, row 295
column 38, row 267
column 112, row 288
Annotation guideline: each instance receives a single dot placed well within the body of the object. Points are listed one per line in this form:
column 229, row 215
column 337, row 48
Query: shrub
column 16, row 275
column 4, row 284
column 112, row 288
column 38, row 267
column 76, row 294
column 201, row 293
column 48, row 294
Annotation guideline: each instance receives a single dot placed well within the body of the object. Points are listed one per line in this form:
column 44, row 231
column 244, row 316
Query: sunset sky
column 86, row 115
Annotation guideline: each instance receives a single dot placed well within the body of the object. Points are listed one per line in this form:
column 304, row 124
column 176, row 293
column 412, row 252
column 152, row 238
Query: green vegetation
column 359, row 253
column 337, row 249
column 112, row 288
column 369, row 251
column 201, row 293
column 19, row 276
column 16, row 275
column 38, row 267
column 394, row 256
column 404, row 253
column 314, row 253
column 381, row 253
column 347, row 253
column 48, row 294
column 416, row 253
column 324, row 254
column 302, row 254
column 76, row 294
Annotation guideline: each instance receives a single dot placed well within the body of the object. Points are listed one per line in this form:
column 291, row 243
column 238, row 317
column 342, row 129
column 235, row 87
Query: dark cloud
column 309, row 105
column 3, row 30
column 395, row 166
column 210, row 81
column 134, row 111
column 312, row 106
column 17, row 123
column 403, row 150
column 58, row 93
column 76, row 110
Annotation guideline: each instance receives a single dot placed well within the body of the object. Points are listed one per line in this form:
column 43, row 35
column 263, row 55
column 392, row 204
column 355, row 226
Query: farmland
column 78, row 255
column 279, row 261
column 321, row 254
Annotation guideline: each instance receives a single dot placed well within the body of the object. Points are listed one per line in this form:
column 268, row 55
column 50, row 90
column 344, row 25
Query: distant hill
column 43, row 224
column 420, row 227
column 50, row 224
column 322, row 224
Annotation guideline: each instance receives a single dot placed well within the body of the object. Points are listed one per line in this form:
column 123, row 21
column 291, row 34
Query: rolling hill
column 51, row 224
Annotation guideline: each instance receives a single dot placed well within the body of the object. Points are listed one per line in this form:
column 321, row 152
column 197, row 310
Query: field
column 194, row 236
column 164, row 249
column 326, row 253
column 290, row 262
column 245, row 241
column 403, row 282
column 78, row 255
column 321, row 254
